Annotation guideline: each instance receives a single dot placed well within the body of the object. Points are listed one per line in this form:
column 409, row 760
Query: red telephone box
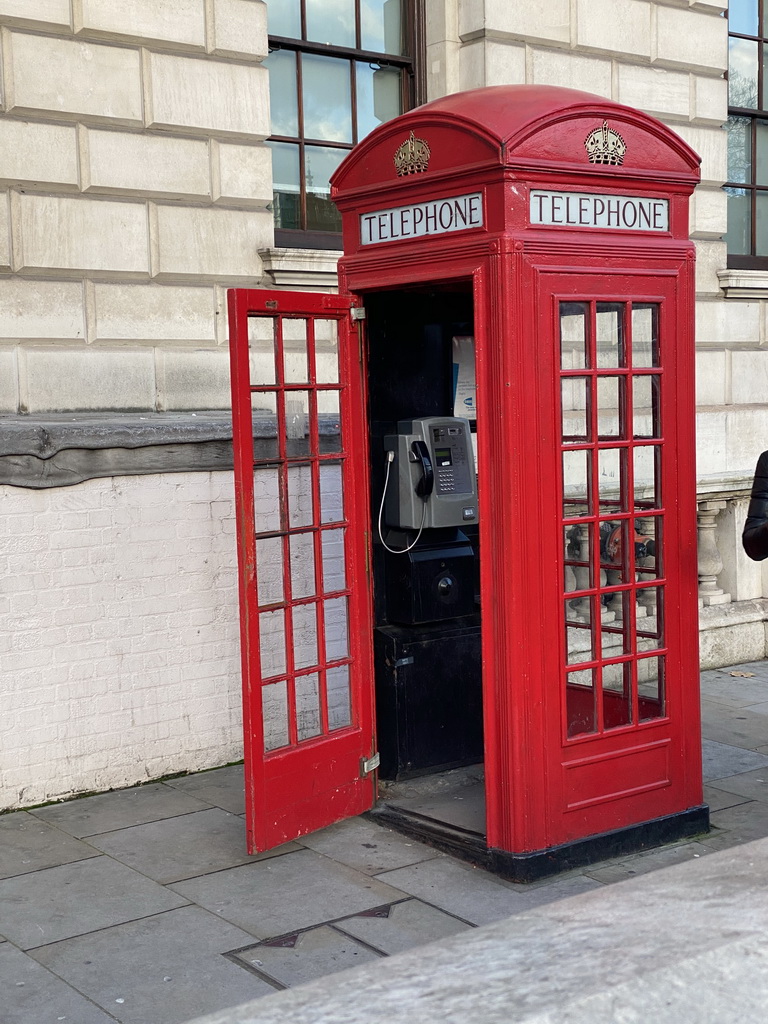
column 522, row 250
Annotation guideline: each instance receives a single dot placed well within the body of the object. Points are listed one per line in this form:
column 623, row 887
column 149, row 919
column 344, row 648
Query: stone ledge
column 744, row 284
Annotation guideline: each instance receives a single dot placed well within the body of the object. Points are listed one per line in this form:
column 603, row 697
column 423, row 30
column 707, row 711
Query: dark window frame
column 413, row 93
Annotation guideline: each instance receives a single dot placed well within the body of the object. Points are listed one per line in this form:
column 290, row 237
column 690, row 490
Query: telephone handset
column 420, row 453
column 435, row 484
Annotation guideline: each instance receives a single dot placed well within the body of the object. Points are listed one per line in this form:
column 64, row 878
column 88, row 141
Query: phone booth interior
column 520, row 280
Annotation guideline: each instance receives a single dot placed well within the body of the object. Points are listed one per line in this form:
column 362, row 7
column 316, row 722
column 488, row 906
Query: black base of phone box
column 429, row 708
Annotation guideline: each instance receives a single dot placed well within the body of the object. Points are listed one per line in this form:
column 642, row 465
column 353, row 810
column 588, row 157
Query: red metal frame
column 305, row 783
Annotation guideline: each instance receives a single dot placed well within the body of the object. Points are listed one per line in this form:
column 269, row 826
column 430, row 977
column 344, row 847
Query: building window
column 747, row 185
column 338, row 69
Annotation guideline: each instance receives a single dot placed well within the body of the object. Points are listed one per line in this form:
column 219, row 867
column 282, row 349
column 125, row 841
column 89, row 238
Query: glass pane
column 332, row 23
column 295, row 351
column 648, row 547
column 308, row 722
column 742, row 17
column 266, row 496
column 329, row 421
column 283, row 93
column 381, row 26
column 613, row 552
column 331, row 497
column 272, row 643
column 650, row 685
column 339, row 709
column 573, row 335
column 286, row 185
column 379, row 96
column 580, row 700
column 274, row 708
column 269, row 570
column 646, row 486
column 617, row 695
column 334, row 565
column 297, row 438
column 578, row 560
column 578, row 631
column 645, row 335
column 611, row 407
column 261, row 350
column 610, row 334
column 764, row 93
column 739, row 234
column 304, row 618
column 336, row 638
column 264, row 420
column 300, row 511
column 613, row 637
column 327, row 98
column 284, row 18
column 575, row 392
column 739, row 148
column 761, row 224
column 609, row 478
column 650, row 628
column 326, row 352
column 302, row 547
column 742, row 73
column 322, row 214
column 645, row 406
column 761, row 146
column 576, row 496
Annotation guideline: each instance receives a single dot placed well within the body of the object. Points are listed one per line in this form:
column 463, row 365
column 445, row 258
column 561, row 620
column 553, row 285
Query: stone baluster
column 709, row 557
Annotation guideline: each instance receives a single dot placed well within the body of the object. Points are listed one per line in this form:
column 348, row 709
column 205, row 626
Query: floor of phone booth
column 446, row 809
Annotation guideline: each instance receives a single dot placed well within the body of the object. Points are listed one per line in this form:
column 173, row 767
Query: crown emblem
column 412, row 157
column 605, row 146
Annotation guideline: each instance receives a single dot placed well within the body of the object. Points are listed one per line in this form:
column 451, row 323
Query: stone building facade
column 135, row 187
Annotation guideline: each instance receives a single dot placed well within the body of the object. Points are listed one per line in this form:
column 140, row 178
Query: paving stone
column 464, row 807
column 367, row 847
column 752, row 785
column 222, row 787
column 749, row 820
column 28, row 844
column 470, row 893
column 32, row 995
column 304, row 956
column 717, row 799
column 554, row 889
column 721, row 760
column 401, row 926
column 735, row 691
column 735, row 726
column 285, row 894
column 73, row 899
column 161, row 970
column 183, row 847
column 649, row 860
column 122, row 808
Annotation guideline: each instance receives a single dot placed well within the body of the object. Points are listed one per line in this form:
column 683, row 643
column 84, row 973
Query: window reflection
column 327, row 98
column 331, row 22
column 379, row 96
column 381, row 26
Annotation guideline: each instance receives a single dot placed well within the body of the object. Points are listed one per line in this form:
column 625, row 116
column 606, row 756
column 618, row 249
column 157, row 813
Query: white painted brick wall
column 121, row 635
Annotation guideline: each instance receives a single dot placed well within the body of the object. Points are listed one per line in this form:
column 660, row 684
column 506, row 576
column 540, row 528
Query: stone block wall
column 134, row 188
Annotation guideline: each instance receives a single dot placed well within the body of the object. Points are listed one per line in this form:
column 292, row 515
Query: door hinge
column 369, row 765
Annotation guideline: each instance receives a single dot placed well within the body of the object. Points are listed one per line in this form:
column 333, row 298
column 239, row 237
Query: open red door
column 301, row 494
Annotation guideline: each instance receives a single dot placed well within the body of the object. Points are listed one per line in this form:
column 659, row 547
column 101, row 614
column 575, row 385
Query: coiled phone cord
column 397, row 551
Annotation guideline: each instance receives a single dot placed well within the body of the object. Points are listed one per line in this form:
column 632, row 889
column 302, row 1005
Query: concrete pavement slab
column 367, row 847
column 73, row 899
column 751, row 785
column 648, row 860
column 740, row 691
column 736, row 726
column 30, row 994
column 182, row 847
column 160, row 970
column 28, row 844
column 717, row 799
column 469, row 893
column 721, row 760
column 401, row 926
column 285, row 894
column 304, row 956
column 222, row 787
column 747, row 821
column 121, row 808
column 463, row 808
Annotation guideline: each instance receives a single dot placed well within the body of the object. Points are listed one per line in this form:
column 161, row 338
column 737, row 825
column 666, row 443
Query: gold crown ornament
column 412, row 157
column 605, row 146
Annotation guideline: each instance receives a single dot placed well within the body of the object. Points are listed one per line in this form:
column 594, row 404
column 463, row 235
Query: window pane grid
column 611, row 513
